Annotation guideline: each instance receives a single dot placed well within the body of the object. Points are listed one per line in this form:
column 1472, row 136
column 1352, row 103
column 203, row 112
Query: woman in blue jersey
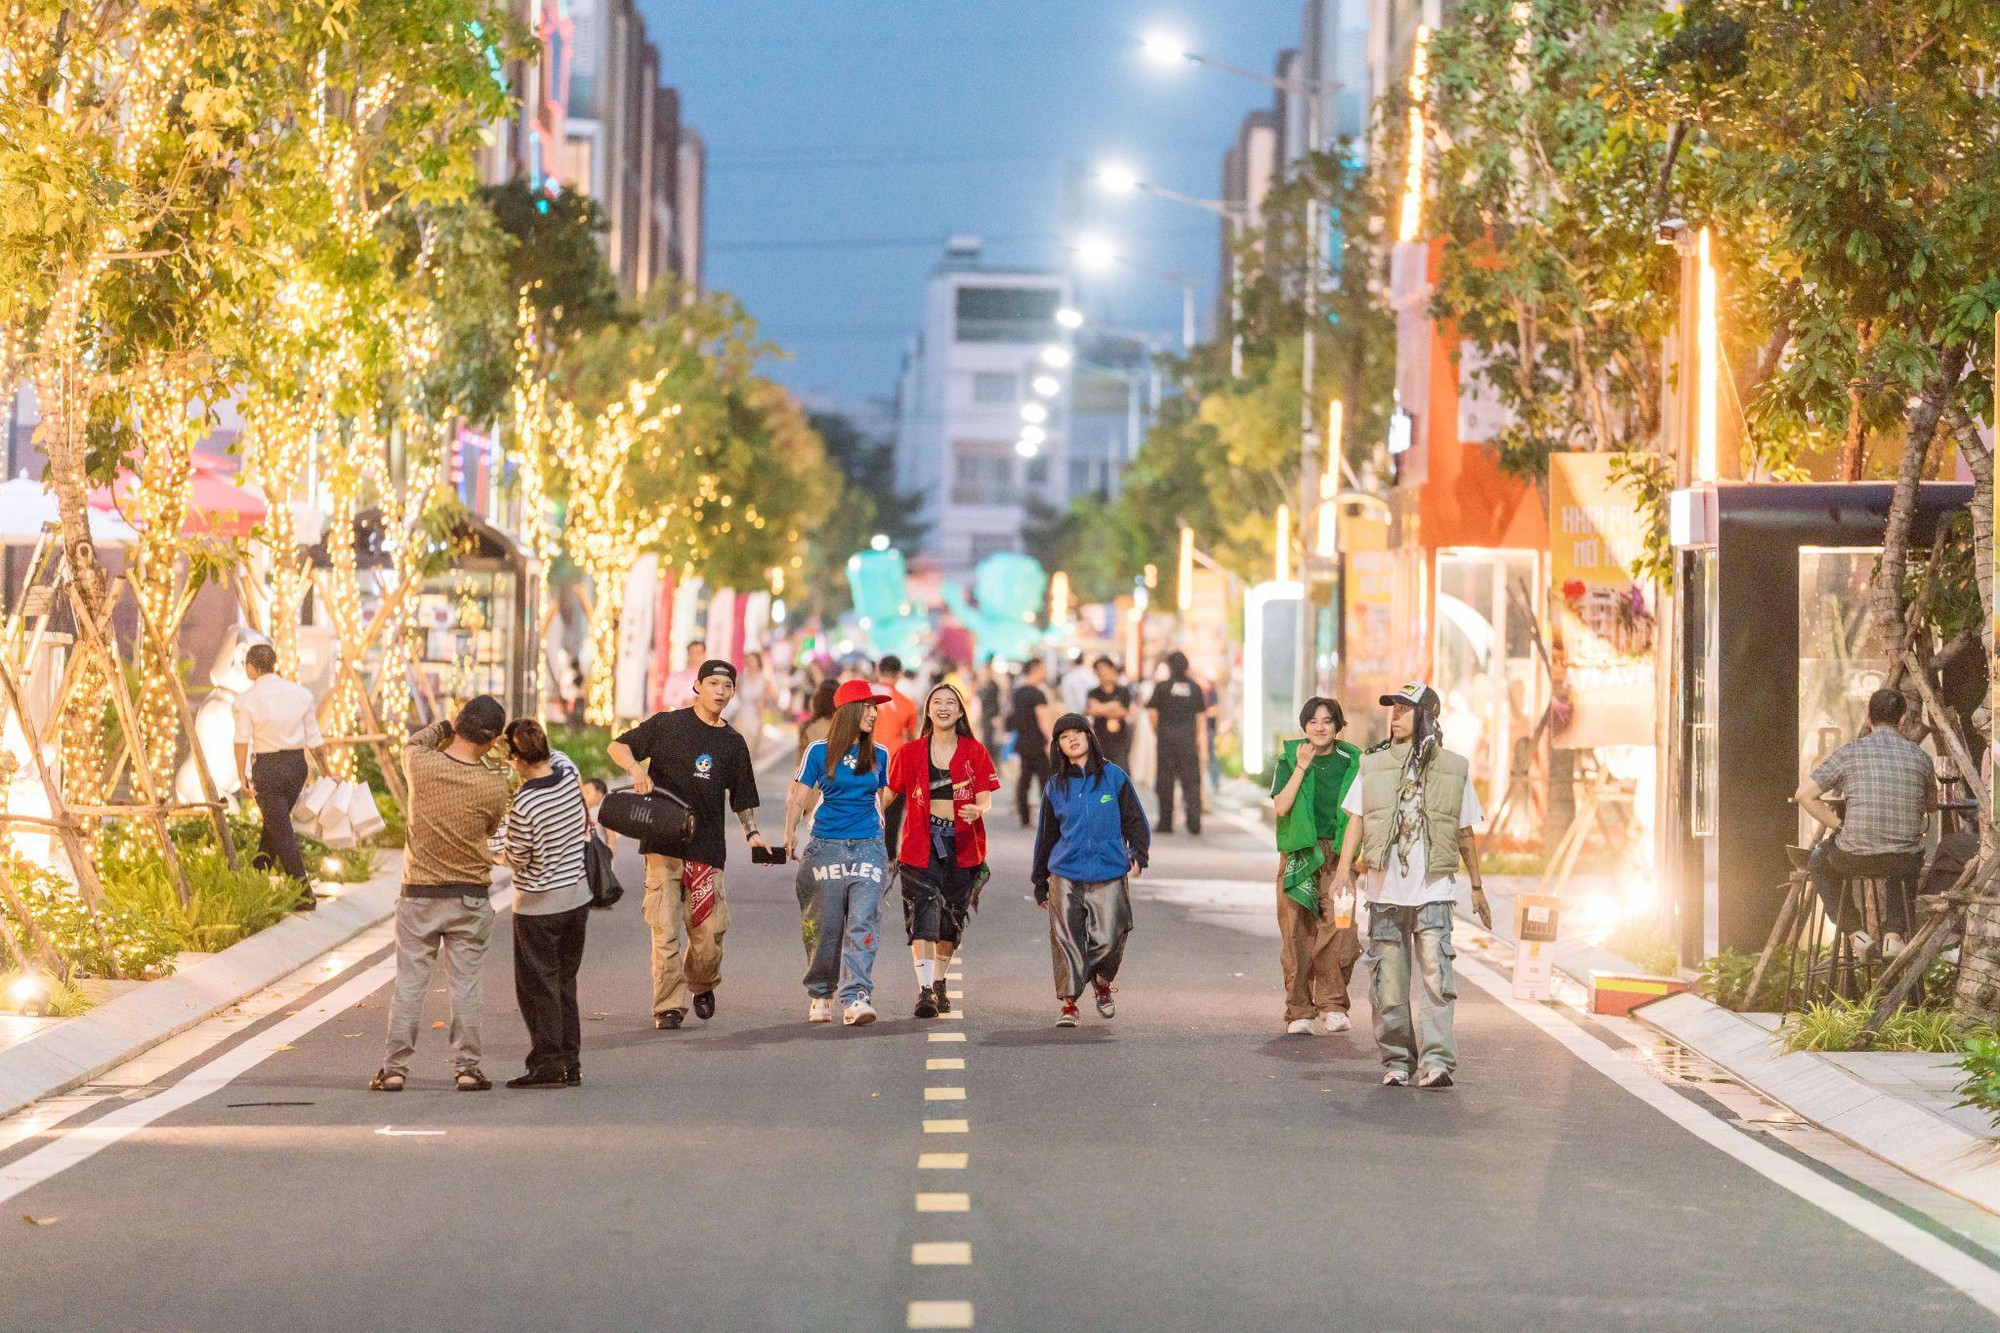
column 1093, row 836
column 843, row 781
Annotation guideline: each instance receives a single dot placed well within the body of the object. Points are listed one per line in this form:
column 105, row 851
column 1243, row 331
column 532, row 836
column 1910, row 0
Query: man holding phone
column 694, row 754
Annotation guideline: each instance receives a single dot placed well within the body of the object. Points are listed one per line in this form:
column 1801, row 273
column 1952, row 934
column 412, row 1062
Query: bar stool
column 1849, row 971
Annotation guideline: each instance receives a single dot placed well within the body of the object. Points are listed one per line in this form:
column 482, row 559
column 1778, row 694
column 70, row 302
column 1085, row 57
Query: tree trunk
column 1979, row 461
column 1853, row 449
column 1921, row 423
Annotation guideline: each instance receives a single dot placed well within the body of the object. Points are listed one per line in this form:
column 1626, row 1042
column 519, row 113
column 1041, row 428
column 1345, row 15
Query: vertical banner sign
column 1603, row 617
column 1372, row 660
column 635, row 636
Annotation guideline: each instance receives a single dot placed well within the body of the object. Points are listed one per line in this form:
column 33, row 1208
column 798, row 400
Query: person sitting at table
column 1890, row 786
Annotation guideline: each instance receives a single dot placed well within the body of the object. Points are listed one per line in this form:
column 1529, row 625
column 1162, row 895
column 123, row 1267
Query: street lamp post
column 1094, row 252
column 1168, row 51
column 1121, row 180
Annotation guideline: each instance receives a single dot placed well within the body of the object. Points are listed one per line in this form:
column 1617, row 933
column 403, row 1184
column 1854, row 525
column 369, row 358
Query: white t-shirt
column 1077, row 683
column 1397, row 887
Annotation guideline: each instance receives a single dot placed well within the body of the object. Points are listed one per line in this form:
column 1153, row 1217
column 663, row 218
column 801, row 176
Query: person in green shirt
column 1318, row 944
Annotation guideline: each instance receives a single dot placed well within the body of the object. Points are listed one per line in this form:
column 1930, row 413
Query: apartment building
column 967, row 378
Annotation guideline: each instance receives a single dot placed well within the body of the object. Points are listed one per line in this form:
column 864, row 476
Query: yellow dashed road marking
column 941, row 1252
column 944, row 1203
column 940, row 1314
column 945, row 1036
column 950, row 1063
column 944, row 1094
column 944, row 1127
column 941, row 1161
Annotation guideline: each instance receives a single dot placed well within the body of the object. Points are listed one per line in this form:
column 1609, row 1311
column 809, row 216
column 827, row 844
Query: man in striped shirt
column 543, row 842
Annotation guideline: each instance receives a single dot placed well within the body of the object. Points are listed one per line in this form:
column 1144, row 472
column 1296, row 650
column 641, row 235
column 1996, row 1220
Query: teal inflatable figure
column 1011, row 589
column 877, row 581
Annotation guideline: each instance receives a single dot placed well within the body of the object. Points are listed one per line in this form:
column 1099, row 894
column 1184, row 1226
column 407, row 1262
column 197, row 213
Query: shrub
column 1726, row 977
column 140, row 943
column 223, row 905
column 1980, row 1059
column 585, row 748
column 1836, row 1026
column 1646, row 944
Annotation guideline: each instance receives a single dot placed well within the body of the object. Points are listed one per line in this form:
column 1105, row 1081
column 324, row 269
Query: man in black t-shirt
column 1177, row 707
column 1028, row 719
column 694, row 754
column 1109, row 707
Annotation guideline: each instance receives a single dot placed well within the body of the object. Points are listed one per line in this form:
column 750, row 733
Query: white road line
column 945, row 1127
column 944, row 1094
column 941, row 1252
column 952, row 1063
column 942, row 1161
column 87, row 1141
column 940, row 1314
column 945, row 1036
column 944, row 1203
column 1978, row 1282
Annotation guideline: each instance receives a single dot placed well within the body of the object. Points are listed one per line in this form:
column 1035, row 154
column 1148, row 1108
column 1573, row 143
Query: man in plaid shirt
column 1891, row 788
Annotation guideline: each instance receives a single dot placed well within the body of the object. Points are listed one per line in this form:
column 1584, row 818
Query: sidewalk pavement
column 45, row 1057
column 1899, row 1106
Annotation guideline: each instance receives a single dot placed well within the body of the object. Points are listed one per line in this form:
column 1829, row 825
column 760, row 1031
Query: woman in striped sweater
column 543, row 842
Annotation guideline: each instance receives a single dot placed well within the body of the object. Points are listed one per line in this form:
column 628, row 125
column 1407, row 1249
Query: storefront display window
column 1488, row 672
column 1841, row 656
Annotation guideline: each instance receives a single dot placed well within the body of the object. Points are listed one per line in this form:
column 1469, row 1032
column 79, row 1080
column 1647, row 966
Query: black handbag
column 605, row 890
column 660, row 820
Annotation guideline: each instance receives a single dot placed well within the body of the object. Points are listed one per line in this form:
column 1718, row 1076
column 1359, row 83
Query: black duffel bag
column 660, row 820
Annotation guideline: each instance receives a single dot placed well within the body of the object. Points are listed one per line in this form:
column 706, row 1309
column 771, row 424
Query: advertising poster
column 1602, row 617
column 1373, row 664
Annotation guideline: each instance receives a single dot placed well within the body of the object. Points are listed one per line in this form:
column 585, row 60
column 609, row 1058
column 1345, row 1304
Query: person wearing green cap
column 1317, row 942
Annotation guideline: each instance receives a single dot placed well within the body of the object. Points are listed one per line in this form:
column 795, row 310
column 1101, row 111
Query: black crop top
column 940, row 783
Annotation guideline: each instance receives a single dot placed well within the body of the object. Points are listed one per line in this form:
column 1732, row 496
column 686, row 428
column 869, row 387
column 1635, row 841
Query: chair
column 1848, row 972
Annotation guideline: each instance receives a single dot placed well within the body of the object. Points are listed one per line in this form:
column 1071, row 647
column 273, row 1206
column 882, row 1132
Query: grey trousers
column 459, row 929
column 1088, row 924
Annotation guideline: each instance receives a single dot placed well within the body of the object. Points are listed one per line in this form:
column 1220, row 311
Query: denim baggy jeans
column 1396, row 936
column 840, row 886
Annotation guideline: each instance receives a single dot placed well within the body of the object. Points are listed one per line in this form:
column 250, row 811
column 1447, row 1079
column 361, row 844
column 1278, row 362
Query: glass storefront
column 1842, row 659
column 1488, row 671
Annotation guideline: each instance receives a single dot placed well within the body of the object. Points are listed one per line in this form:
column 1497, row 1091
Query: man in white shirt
column 276, row 723
column 678, row 692
column 1410, row 818
column 1076, row 684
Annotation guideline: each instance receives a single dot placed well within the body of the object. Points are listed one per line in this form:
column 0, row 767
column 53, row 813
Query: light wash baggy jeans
column 840, row 885
column 1395, row 934
column 459, row 929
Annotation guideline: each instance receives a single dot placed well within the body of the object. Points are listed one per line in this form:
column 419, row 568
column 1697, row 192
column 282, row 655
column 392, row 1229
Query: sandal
column 471, row 1080
column 384, row 1081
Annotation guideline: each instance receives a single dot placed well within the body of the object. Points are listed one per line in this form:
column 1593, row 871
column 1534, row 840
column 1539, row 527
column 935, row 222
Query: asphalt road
column 1182, row 1167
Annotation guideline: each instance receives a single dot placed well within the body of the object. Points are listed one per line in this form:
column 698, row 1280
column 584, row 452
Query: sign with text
column 1603, row 617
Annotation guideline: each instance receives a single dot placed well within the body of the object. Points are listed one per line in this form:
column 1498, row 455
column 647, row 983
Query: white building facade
column 986, row 341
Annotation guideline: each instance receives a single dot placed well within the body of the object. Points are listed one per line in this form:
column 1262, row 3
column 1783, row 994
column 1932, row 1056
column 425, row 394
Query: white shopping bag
column 334, row 827
column 314, row 799
column 363, row 816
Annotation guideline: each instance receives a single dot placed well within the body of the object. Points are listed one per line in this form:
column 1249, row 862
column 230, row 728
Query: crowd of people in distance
column 892, row 793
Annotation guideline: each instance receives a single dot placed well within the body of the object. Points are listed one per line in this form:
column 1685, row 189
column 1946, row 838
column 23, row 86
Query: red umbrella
column 217, row 506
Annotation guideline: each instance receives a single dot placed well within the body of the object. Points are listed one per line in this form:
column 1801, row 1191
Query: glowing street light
column 1070, row 317
column 1095, row 252
column 1048, row 386
column 1164, row 49
column 879, row 542
column 1027, row 448
column 1117, row 178
column 1034, row 413
column 1056, row 355
column 1033, row 435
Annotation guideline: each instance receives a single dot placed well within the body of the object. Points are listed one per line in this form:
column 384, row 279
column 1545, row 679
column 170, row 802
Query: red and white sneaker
column 1069, row 1015
column 1106, row 1008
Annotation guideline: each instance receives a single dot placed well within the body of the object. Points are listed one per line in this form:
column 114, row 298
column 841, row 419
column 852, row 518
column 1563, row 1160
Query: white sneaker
column 1861, row 939
column 1892, row 945
column 859, row 1014
column 1299, row 1027
column 820, row 1010
column 1332, row 1021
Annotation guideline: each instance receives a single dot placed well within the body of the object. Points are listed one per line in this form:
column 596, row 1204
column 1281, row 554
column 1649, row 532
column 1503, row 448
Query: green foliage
column 1980, row 1059
column 1648, row 945
column 558, row 256
column 1725, row 979
column 1837, row 1024
column 139, row 943
column 223, row 905
column 585, row 747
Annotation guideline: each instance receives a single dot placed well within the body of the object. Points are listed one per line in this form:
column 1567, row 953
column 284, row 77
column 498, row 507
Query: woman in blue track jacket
column 1093, row 836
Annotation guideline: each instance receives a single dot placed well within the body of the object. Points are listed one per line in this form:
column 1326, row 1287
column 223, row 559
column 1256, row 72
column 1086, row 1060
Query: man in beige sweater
column 456, row 802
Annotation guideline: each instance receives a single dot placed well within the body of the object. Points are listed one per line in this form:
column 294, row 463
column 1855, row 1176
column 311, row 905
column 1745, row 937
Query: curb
column 1911, row 1138
column 71, row 1053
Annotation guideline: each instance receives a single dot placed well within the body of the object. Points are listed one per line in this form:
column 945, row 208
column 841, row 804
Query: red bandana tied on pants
column 698, row 887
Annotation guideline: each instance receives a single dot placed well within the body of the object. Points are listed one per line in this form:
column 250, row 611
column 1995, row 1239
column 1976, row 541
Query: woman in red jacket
column 943, row 858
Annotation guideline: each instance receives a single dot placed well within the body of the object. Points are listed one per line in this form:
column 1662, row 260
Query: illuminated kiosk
column 1270, row 669
column 1775, row 655
column 474, row 615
